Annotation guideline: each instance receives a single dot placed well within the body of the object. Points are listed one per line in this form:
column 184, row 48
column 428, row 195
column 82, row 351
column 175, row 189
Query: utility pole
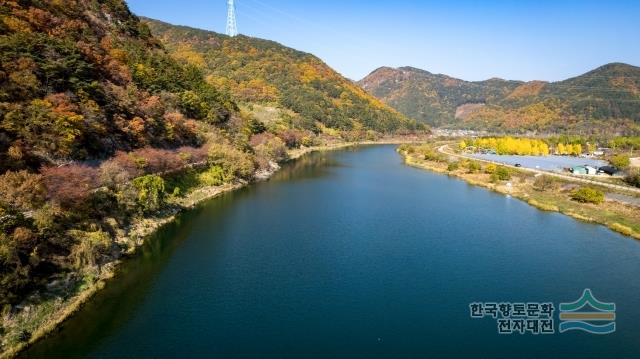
column 232, row 26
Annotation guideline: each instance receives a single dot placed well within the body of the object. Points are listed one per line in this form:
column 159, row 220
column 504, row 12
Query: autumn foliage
column 69, row 185
column 85, row 79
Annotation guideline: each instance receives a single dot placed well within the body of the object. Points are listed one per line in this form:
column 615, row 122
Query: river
column 353, row 254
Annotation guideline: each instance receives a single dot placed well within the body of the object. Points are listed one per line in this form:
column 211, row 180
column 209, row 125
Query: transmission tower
column 232, row 26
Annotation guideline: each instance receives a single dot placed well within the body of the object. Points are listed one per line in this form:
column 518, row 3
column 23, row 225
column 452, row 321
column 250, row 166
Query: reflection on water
column 353, row 254
column 312, row 165
column 117, row 303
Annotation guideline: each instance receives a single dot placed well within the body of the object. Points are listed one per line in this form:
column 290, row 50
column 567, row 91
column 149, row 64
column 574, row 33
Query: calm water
column 351, row 254
column 548, row 163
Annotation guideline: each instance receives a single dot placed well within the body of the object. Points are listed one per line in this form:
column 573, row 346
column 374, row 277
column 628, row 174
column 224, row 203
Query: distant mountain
column 605, row 99
column 260, row 71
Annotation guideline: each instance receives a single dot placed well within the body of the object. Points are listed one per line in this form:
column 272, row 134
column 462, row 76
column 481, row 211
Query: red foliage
column 152, row 106
column 118, row 72
column 182, row 130
column 259, row 139
column 39, row 18
column 292, row 138
column 128, row 164
column 70, row 185
column 136, row 128
column 194, row 155
column 63, row 104
column 157, row 161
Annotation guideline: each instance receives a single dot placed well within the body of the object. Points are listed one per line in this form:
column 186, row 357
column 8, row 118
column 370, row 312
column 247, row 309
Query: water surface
column 351, row 254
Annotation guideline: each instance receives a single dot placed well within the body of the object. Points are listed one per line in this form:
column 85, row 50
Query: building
column 579, row 170
column 584, row 170
column 591, row 170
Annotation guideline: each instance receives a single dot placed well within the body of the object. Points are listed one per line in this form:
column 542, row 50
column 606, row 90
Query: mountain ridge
column 267, row 72
column 604, row 98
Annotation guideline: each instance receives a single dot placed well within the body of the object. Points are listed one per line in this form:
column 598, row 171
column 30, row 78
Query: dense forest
column 256, row 70
column 93, row 109
column 83, row 79
column 605, row 100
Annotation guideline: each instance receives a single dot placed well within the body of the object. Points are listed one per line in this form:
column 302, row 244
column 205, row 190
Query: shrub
column 214, row 176
column 270, row 148
column 22, row 190
column 503, row 173
column 91, row 247
column 151, row 191
column 292, row 138
column 409, row 149
column 234, row 163
column 10, row 218
column 453, row 166
column 490, row 169
column 195, row 104
column 430, row 154
column 473, row 167
column 113, row 174
column 155, row 161
column 127, row 163
column 308, row 141
column 588, row 195
column 500, row 173
column 48, row 219
column 545, row 183
column 633, row 178
column 620, row 161
column 193, row 154
column 70, row 185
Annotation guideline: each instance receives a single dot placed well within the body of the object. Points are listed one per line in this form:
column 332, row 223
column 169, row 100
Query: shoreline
column 143, row 229
column 522, row 196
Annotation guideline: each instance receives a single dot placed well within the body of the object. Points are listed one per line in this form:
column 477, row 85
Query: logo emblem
column 588, row 315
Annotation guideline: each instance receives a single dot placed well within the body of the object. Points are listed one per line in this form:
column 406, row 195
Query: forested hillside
column 431, row 98
column 83, row 79
column 100, row 126
column 262, row 71
column 606, row 100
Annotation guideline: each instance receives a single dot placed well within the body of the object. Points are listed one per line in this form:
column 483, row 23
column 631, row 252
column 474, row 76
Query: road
column 447, row 151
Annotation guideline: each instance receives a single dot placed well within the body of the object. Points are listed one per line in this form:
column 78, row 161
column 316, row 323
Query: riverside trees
column 511, row 146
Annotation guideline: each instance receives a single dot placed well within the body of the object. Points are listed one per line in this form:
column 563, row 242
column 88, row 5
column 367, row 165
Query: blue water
column 548, row 163
column 351, row 254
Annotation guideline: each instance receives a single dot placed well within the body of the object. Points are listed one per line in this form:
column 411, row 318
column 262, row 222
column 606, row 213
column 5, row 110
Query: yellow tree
column 544, row 150
column 561, row 150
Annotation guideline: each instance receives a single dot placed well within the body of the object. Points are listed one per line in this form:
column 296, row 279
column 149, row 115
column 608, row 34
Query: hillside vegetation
column 83, row 79
column 605, row 100
column 98, row 123
column 262, row 71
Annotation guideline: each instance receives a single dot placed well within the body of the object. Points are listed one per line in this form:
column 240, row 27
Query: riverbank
column 523, row 185
column 40, row 320
column 43, row 319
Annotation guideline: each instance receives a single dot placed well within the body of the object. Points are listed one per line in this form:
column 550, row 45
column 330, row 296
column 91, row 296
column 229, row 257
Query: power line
column 232, row 26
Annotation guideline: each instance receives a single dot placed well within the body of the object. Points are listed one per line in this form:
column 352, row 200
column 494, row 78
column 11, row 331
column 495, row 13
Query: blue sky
column 472, row 40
